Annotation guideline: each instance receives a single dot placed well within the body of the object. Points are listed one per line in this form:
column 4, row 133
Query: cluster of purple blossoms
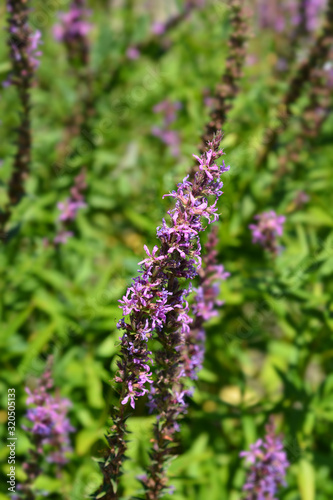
column 49, row 430
column 265, row 232
column 180, row 251
column 169, row 112
column 133, row 53
column 24, row 45
column 268, row 466
column 277, row 15
column 155, row 301
column 70, row 207
column 73, row 30
column 301, row 198
column 160, row 28
column 313, row 11
column 48, row 417
column 205, row 306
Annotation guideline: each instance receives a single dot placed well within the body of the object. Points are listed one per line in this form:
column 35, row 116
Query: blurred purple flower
column 168, row 109
column 73, row 30
column 63, row 236
column 205, row 306
column 24, row 45
column 313, row 12
column 277, row 15
column 301, row 198
column 48, row 429
column 270, row 225
column 48, row 417
column 171, row 138
column 72, row 25
column 133, row 53
column 70, row 207
column 158, row 28
column 269, row 463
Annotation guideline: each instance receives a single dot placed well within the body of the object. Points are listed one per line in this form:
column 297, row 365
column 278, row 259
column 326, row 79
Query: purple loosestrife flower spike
column 169, row 137
column 73, row 29
column 70, row 207
column 316, row 58
column 277, row 14
column 179, row 257
column 311, row 120
column 159, row 30
column 268, row 466
column 269, row 227
column 49, row 429
column 155, row 302
column 205, row 305
column 228, row 89
column 23, row 44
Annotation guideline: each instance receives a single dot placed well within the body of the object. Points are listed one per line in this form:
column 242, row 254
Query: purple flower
column 73, row 30
column 48, row 429
column 155, row 304
column 63, row 236
column 171, row 138
column 158, row 28
column 33, row 52
column 270, row 225
column 48, row 416
column 204, row 307
column 313, row 12
column 268, row 466
column 29, row 57
column 133, row 53
column 151, row 301
column 23, row 44
column 277, row 15
column 72, row 25
column 168, row 109
column 181, row 353
column 70, row 207
column 300, row 199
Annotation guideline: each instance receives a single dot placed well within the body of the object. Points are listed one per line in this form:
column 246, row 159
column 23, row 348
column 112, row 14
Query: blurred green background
column 270, row 350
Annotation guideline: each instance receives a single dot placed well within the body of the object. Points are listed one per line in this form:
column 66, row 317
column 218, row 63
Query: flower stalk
column 229, row 86
column 169, row 389
column 23, row 44
column 205, row 306
column 316, row 58
column 156, row 303
column 72, row 30
column 49, row 429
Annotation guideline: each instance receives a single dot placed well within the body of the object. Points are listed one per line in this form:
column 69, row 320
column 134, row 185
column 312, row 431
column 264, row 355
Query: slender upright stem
column 318, row 54
column 21, row 44
column 229, row 87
